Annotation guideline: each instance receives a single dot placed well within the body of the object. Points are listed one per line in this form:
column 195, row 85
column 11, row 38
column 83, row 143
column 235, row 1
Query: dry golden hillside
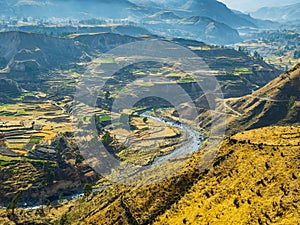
column 276, row 103
column 249, row 183
column 253, row 180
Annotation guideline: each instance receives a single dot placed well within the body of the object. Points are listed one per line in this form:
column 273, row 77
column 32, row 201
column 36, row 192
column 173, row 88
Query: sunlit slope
column 250, row 183
column 275, row 103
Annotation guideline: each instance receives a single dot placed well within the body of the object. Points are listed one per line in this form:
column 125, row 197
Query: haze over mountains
column 279, row 13
column 207, row 8
column 205, row 20
column 69, row 8
column 253, row 5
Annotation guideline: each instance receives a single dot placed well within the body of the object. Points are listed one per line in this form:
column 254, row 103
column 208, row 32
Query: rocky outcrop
column 8, row 90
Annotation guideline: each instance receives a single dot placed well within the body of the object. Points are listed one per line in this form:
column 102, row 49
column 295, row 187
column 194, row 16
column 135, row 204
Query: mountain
column 253, row 174
column 69, row 8
column 206, row 8
column 216, row 24
column 252, row 168
column 199, row 28
column 280, row 14
column 9, row 89
column 268, row 24
column 165, row 15
column 25, row 52
column 275, row 103
column 210, row 31
column 215, row 10
column 252, row 5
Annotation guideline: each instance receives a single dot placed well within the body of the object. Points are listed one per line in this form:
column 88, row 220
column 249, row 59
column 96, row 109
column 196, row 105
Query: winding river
column 194, row 140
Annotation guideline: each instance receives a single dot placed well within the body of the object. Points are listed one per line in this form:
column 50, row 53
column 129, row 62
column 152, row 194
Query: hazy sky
column 252, row 5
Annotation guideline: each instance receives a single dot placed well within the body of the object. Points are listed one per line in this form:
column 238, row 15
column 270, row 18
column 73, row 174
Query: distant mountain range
column 207, row 8
column 195, row 27
column 204, row 20
column 280, row 14
column 68, row 8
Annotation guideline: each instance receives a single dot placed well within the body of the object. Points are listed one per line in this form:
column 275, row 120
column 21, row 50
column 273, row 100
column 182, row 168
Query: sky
column 253, row 5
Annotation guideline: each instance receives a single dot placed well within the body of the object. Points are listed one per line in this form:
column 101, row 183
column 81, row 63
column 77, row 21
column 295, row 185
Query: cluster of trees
column 255, row 54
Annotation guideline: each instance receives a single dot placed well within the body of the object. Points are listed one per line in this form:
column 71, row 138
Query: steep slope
column 198, row 28
column 9, row 89
column 29, row 53
column 207, row 8
column 102, row 41
column 258, row 22
column 210, row 31
column 275, row 103
column 164, row 15
column 33, row 59
column 254, row 180
column 280, row 14
column 217, row 11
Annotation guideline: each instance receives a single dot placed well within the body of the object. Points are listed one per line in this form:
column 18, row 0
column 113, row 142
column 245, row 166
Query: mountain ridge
column 279, row 14
column 277, row 103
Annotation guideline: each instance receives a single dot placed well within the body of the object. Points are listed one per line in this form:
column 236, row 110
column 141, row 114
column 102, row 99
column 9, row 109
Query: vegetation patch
column 104, row 118
column 187, row 79
column 35, row 140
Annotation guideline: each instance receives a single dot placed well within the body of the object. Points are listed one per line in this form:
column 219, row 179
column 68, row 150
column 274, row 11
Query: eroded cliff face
column 38, row 179
column 18, row 48
column 9, row 89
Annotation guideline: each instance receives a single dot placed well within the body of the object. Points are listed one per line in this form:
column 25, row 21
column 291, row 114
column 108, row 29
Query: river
column 194, row 140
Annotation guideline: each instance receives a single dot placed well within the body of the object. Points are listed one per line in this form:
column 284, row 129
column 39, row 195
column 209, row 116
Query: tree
column 291, row 103
column 48, row 171
column 107, row 139
column 256, row 55
column 87, row 190
column 145, row 119
column 60, row 198
column 12, row 205
column 78, row 159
